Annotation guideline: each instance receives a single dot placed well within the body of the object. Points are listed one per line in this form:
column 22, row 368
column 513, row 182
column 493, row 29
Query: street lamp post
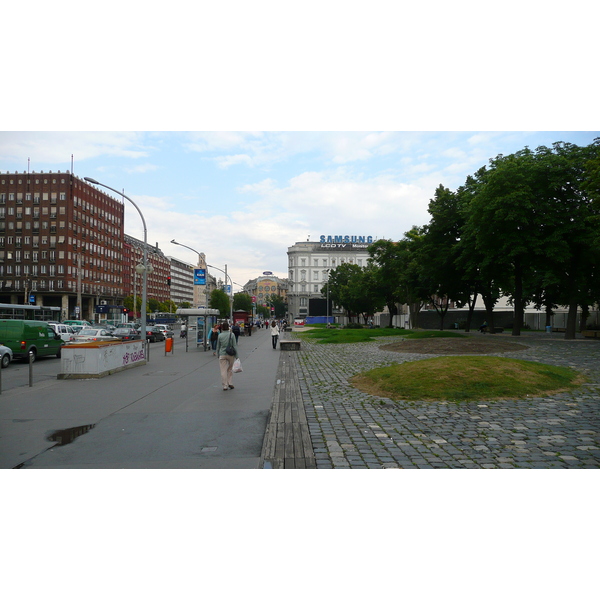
column 213, row 267
column 145, row 259
column 230, row 288
column 199, row 264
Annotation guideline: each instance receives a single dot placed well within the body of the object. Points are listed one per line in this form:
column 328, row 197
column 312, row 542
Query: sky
column 240, row 130
column 243, row 198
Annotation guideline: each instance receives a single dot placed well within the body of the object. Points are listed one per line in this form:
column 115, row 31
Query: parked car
column 154, row 334
column 166, row 330
column 126, row 334
column 6, row 355
column 26, row 337
column 66, row 332
column 93, row 335
column 77, row 322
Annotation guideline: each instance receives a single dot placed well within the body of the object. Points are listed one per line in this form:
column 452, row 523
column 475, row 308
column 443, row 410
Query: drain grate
column 209, row 449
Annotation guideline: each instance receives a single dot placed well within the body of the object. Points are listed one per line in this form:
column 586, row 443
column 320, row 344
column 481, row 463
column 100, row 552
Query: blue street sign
column 32, row 298
column 199, row 276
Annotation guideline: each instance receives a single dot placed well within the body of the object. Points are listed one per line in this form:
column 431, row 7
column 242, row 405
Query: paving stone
column 560, row 431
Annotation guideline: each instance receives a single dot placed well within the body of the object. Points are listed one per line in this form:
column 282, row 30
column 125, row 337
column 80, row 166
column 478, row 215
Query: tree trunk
column 489, row 312
column 518, row 298
column 549, row 313
column 470, row 313
column 571, row 321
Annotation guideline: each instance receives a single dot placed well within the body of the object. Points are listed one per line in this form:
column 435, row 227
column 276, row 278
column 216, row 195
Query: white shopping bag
column 237, row 366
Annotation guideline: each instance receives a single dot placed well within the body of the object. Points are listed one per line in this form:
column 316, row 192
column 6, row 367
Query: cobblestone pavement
column 352, row 429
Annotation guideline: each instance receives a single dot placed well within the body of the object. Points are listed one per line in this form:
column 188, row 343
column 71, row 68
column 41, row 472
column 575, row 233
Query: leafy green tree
column 387, row 258
column 153, row 305
column 242, row 301
column 219, row 300
column 278, row 304
column 481, row 277
column 437, row 253
column 344, row 287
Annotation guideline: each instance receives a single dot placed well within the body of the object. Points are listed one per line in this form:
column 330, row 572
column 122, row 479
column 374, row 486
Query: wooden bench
column 559, row 330
column 591, row 334
column 289, row 345
column 496, row 330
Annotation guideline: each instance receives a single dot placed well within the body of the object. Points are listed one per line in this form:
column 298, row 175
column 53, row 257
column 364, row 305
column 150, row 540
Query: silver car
column 6, row 356
column 93, row 335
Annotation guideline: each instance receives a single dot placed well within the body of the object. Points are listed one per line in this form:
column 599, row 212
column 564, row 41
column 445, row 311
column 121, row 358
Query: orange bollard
column 168, row 345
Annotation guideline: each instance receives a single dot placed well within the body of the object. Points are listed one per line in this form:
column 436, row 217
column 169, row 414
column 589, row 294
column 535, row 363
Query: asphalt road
column 170, row 413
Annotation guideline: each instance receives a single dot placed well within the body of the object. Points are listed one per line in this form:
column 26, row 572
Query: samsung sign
column 346, row 239
column 345, row 242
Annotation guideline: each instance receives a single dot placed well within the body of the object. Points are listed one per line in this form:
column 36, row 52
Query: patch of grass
column 465, row 378
column 352, row 336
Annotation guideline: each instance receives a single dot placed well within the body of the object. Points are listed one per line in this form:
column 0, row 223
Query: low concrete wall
column 98, row 359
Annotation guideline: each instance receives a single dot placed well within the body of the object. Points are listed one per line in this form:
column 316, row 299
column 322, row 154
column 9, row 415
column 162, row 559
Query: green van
column 23, row 337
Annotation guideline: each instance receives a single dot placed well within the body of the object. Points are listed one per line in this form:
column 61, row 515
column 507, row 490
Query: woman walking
column 274, row 334
column 214, row 336
column 226, row 340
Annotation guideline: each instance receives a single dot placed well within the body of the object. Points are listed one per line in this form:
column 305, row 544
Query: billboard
column 199, row 276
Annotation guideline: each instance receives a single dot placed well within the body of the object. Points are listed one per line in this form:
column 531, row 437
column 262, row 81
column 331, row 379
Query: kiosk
column 203, row 320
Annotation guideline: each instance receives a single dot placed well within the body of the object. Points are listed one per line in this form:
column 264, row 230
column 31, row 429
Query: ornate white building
column 308, row 268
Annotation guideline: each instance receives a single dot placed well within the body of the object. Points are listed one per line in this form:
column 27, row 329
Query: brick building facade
column 60, row 238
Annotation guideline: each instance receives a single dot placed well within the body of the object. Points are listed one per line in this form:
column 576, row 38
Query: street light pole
column 145, row 259
column 230, row 289
column 199, row 264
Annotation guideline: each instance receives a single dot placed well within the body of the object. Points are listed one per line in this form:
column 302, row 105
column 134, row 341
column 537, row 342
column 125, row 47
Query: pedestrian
column 226, row 339
column 183, row 332
column 235, row 328
column 214, row 336
column 274, row 333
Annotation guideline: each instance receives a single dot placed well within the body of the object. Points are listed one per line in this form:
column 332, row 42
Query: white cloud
column 56, row 148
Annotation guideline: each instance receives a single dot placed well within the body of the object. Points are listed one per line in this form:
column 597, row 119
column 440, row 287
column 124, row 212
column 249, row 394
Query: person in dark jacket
column 226, row 338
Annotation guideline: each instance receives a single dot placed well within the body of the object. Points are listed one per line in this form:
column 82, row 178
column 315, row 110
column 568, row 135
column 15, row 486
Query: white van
column 66, row 332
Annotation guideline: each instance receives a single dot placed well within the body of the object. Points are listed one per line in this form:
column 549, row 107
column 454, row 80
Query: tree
column 344, row 287
column 219, row 300
column 437, row 253
column 278, row 304
column 242, row 301
column 386, row 258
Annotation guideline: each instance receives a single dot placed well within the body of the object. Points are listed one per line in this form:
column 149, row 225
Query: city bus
column 163, row 318
column 30, row 312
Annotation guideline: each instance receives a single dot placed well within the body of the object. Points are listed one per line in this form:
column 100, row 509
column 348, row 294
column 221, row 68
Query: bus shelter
column 199, row 322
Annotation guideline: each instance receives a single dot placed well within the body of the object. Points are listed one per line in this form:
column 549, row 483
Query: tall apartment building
column 156, row 281
column 182, row 281
column 309, row 264
column 61, row 239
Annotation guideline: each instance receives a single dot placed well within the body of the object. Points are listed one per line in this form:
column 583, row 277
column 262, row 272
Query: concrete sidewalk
column 169, row 413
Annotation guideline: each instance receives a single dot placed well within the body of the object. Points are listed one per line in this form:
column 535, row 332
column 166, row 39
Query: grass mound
column 464, row 378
